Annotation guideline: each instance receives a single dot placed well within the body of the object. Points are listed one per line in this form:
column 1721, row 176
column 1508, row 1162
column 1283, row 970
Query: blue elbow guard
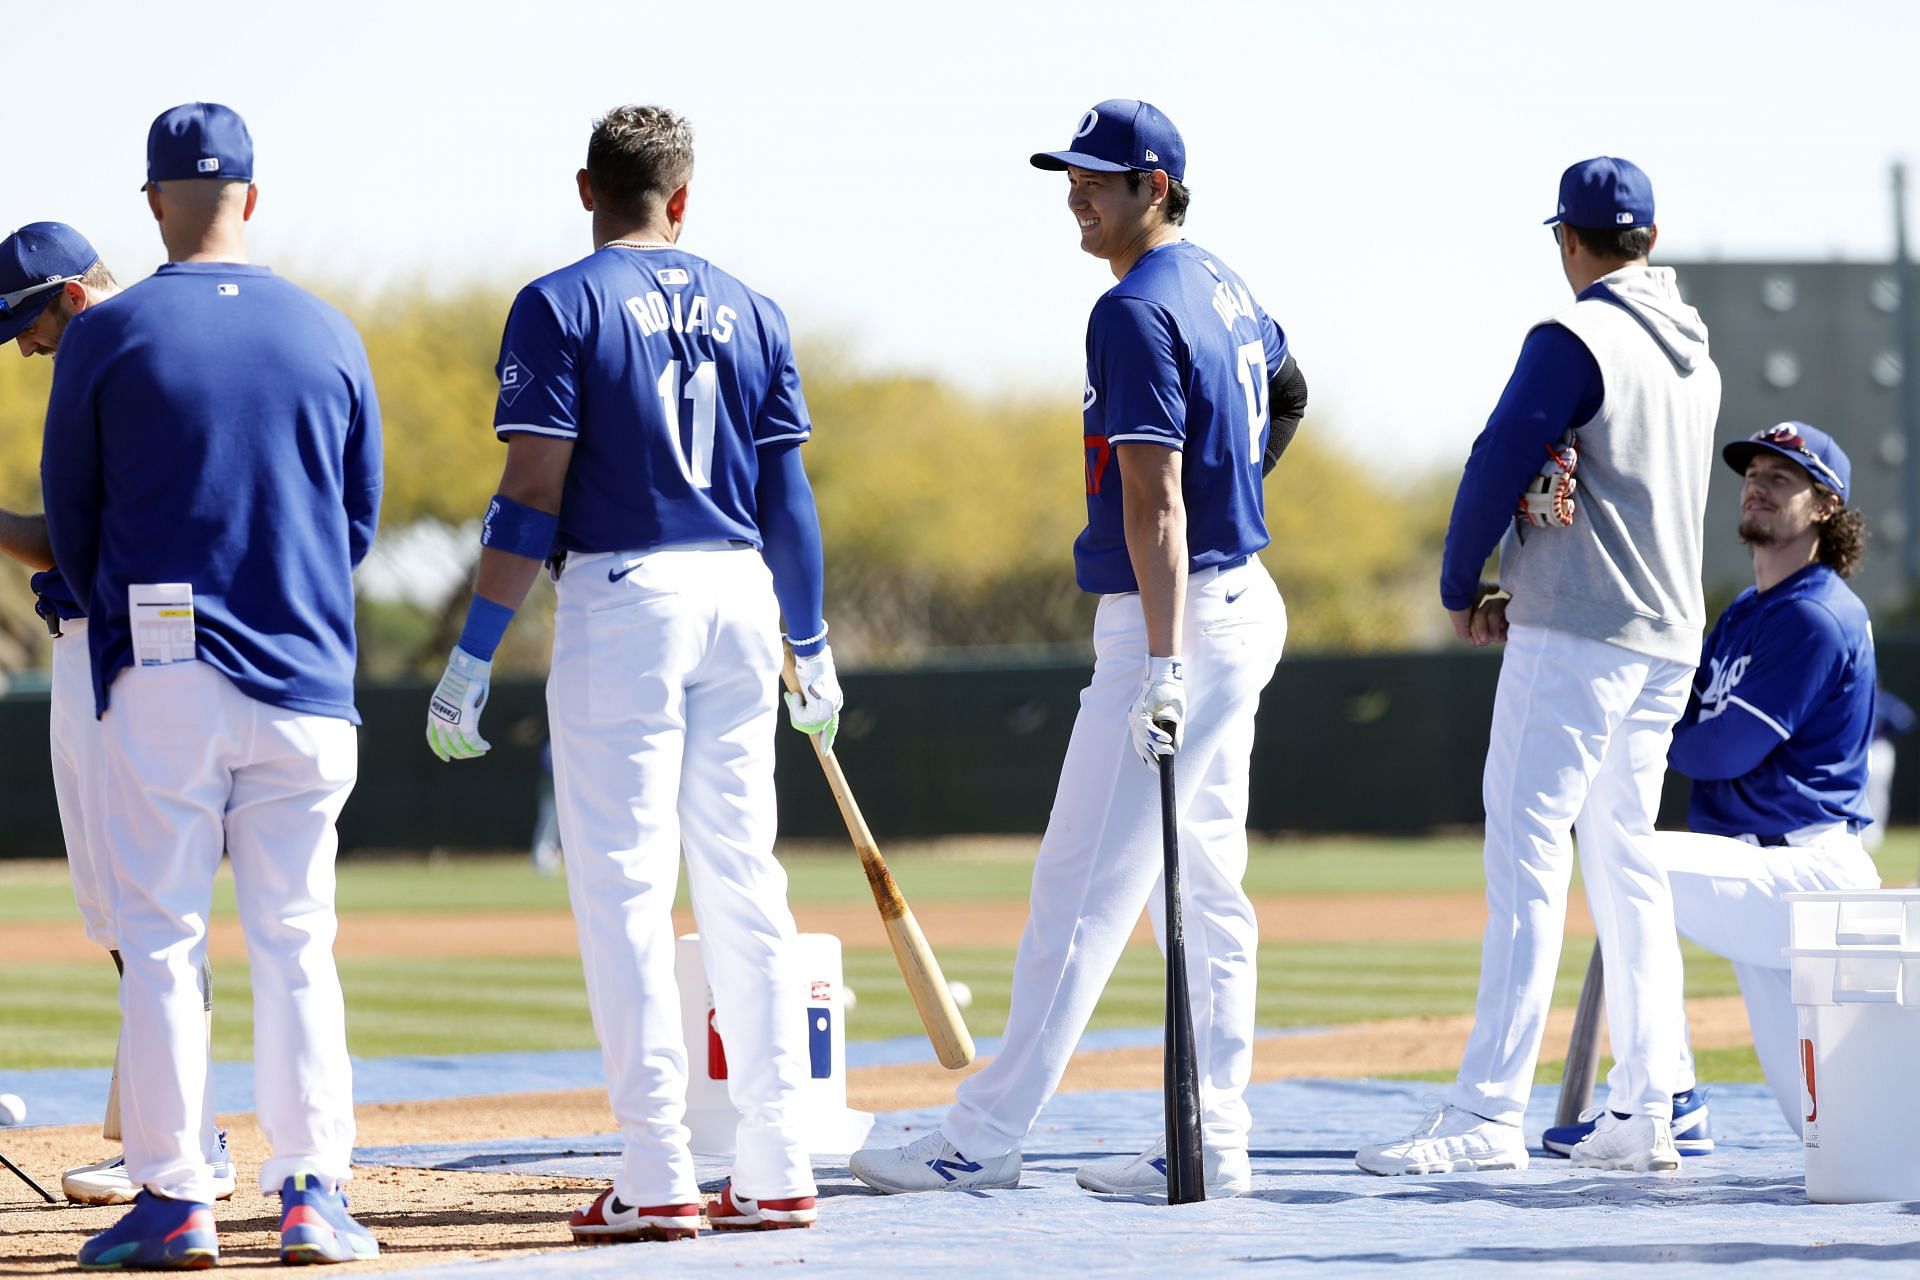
column 518, row 530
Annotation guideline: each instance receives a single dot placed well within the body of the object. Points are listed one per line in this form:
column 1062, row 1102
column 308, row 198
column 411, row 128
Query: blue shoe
column 1692, row 1135
column 158, row 1235
column 315, row 1225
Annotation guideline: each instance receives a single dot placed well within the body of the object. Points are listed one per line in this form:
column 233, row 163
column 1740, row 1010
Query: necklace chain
column 636, row 244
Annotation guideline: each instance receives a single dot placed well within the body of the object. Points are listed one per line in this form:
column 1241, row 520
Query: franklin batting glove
column 453, row 716
column 1163, row 699
column 816, row 708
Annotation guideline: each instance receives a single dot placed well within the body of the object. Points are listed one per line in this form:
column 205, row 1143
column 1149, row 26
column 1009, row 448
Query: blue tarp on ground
column 1311, row 1213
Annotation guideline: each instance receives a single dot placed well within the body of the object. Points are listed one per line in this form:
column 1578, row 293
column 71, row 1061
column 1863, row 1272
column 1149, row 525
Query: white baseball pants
column 194, row 766
column 1578, row 744
column 1727, row 896
column 73, row 739
column 662, row 706
column 1100, row 862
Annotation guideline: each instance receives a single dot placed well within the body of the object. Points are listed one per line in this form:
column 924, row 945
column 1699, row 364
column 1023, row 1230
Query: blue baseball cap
column 1605, row 191
column 1118, row 135
column 199, row 140
column 1812, row 449
column 34, row 262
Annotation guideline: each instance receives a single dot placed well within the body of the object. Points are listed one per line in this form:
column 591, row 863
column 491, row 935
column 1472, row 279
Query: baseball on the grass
column 13, row 1109
column 962, row 994
column 847, row 998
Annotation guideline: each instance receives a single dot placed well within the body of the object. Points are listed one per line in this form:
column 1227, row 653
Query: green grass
column 64, row 1012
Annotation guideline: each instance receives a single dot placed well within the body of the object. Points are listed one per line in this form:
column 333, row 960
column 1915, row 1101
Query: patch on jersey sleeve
column 514, row 378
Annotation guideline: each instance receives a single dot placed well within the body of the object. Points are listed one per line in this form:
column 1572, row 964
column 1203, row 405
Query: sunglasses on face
column 8, row 301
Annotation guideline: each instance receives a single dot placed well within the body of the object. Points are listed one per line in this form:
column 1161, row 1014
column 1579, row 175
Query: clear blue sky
column 1377, row 171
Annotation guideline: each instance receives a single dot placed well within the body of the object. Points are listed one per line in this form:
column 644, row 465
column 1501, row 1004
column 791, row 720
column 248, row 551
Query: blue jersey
column 668, row 375
column 216, row 425
column 1776, row 733
column 1179, row 355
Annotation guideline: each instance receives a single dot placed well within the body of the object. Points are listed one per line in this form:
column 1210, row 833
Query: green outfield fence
column 1376, row 744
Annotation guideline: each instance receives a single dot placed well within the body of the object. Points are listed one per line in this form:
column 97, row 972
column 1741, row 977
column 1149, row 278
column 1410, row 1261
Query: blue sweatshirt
column 1555, row 385
column 218, row 426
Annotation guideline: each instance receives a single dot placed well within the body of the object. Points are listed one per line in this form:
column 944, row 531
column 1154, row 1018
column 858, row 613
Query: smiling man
column 1184, row 370
column 1775, row 739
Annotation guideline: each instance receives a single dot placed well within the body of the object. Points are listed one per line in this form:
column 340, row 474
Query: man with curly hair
column 1775, row 739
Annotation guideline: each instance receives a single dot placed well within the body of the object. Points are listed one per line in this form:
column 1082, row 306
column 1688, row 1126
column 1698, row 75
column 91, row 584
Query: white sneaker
column 106, row 1182
column 1449, row 1140
column 932, row 1164
column 1643, row 1144
column 1228, row 1173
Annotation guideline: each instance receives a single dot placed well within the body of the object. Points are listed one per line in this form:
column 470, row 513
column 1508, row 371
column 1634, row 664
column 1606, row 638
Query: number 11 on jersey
column 703, row 387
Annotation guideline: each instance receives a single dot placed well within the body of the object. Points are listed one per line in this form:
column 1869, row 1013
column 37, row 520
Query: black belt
column 557, row 562
column 1776, row 842
column 1233, row 564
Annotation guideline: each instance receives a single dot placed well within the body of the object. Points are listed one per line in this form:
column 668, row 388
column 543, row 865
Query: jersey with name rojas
column 668, row 375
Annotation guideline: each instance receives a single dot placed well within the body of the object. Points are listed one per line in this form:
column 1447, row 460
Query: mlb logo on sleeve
column 513, row 378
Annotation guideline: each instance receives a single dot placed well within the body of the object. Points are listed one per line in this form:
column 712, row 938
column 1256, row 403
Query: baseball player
column 653, row 419
column 1775, row 738
column 1183, row 370
column 211, row 468
column 48, row 275
column 1602, row 442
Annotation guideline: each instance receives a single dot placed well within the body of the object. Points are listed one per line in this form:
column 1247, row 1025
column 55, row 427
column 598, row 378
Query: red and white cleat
column 607, row 1221
column 736, row 1212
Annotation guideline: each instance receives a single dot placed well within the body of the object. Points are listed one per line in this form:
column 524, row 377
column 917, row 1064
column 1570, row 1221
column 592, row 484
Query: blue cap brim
column 21, row 318
column 1737, row 454
column 1059, row 160
column 1555, row 218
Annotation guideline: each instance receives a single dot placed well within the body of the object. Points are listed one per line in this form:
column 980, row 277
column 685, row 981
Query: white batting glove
column 816, row 708
column 453, row 716
column 1163, row 698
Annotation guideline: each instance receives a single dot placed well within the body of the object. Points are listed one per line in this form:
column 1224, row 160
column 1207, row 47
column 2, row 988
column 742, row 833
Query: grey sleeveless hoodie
column 1627, row 570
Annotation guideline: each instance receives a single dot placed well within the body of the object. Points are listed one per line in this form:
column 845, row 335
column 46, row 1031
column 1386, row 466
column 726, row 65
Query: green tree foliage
column 949, row 517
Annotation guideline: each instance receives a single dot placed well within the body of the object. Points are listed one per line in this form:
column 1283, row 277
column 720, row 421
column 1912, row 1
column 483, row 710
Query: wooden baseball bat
column 1583, row 1049
column 946, row 1029
column 1186, row 1166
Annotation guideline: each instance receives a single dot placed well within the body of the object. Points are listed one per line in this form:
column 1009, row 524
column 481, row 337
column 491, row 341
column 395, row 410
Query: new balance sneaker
column 1449, row 1140
column 607, row 1221
column 1643, row 1144
column 316, row 1227
column 106, row 1182
column 1692, row 1132
column 932, row 1164
column 158, row 1235
column 736, row 1212
column 1228, row 1173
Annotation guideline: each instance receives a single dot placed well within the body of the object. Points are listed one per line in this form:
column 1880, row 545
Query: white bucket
column 1858, row 994
column 828, row 1125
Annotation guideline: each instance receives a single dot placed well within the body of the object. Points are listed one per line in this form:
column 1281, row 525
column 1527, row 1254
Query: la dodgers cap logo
column 1121, row 134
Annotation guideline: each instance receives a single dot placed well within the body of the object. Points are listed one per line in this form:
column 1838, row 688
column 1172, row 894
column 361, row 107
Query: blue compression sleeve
column 790, row 528
column 1555, row 385
column 486, row 623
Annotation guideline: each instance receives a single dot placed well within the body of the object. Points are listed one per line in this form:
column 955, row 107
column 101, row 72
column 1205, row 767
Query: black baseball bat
column 1583, row 1049
column 1186, row 1175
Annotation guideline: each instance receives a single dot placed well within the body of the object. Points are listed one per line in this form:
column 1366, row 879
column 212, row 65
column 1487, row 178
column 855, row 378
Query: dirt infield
column 425, row 1216
column 1334, row 917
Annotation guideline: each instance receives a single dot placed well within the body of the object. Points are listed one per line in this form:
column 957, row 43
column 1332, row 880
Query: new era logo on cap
column 1121, row 134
